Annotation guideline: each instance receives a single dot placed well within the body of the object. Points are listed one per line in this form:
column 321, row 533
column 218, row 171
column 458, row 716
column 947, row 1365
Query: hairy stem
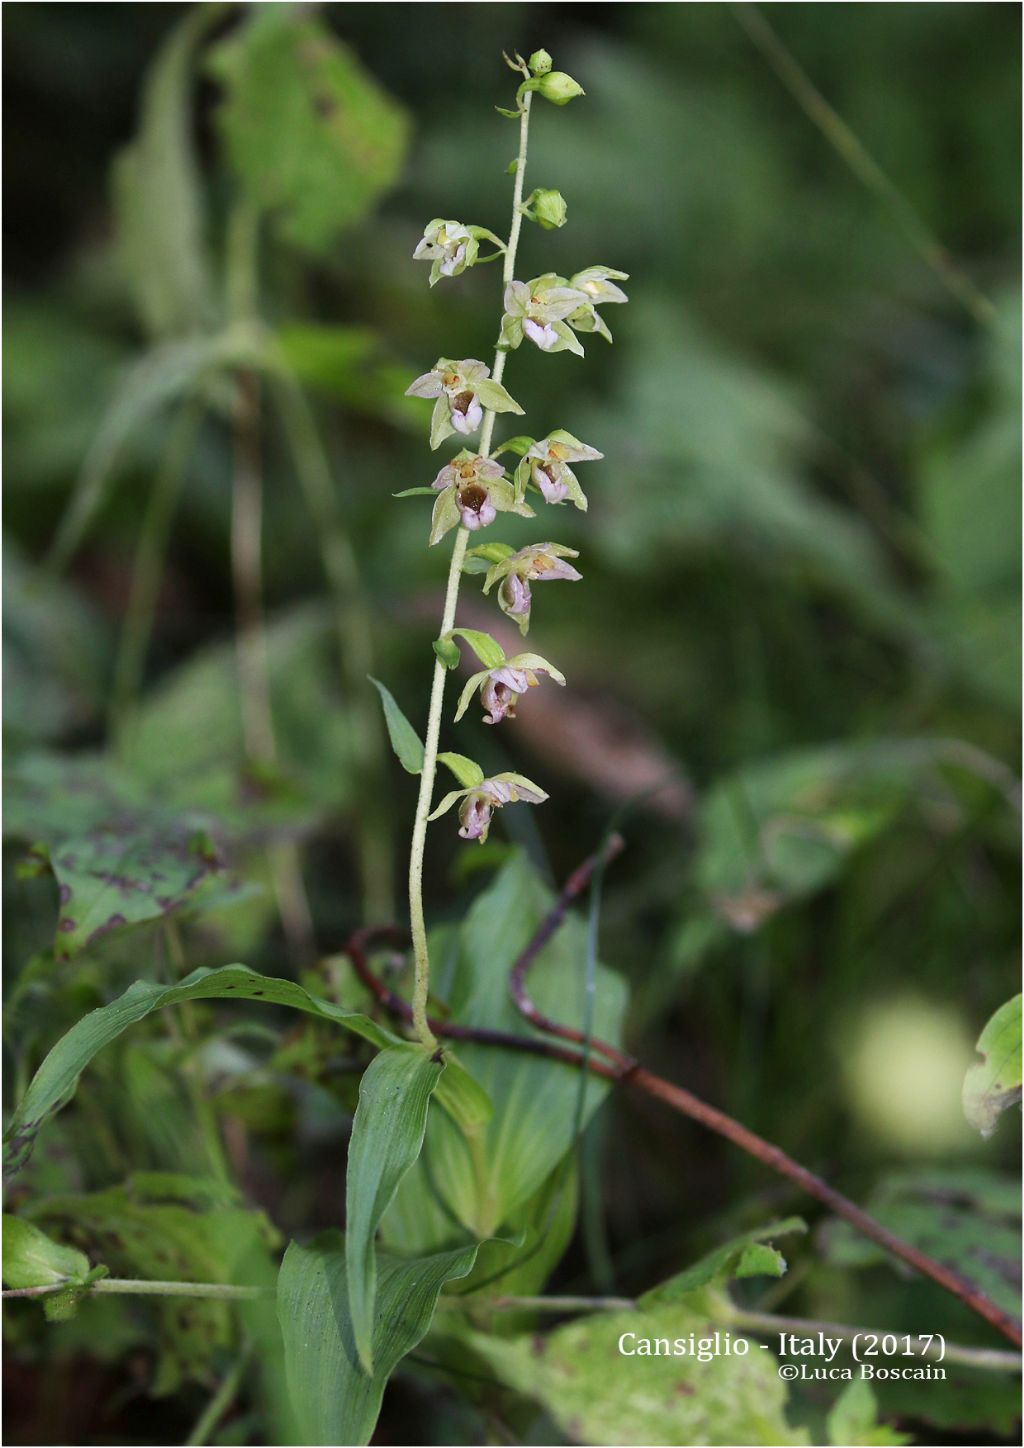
column 418, row 924
column 421, row 958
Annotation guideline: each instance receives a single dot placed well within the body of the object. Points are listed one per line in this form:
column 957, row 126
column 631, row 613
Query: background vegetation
column 799, row 619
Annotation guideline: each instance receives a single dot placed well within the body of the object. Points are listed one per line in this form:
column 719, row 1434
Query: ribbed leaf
column 387, row 1136
column 55, row 1082
column 333, row 1398
column 535, row 1100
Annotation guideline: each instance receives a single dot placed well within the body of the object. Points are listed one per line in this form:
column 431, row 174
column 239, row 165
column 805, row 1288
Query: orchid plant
column 474, row 486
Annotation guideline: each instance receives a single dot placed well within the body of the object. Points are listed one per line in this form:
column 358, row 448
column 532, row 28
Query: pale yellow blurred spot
column 904, row 1063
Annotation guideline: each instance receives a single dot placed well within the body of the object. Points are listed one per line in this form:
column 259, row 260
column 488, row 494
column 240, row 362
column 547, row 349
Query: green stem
column 421, row 957
column 138, row 1287
column 192, row 1066
column 863, row 164
column 209, row 1418
column 247, row 572
column 355, row 638
column 242, row 285
column 147, row 569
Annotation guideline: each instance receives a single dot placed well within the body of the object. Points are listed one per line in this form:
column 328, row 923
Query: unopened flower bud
column 546, row 208
column 558, row 88
column 539, row 62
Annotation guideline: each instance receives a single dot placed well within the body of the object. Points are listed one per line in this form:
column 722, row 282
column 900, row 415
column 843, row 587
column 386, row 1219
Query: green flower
column 473, row 491
column 482, row 799
column 597, row 286
column 463, row 390
column 537, row 310
column 538, row 563
column 545, row 466
column 448, row 246
column 501, row 687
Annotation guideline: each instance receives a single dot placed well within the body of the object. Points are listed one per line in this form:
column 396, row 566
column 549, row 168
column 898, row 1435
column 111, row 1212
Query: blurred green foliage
column 799, row 613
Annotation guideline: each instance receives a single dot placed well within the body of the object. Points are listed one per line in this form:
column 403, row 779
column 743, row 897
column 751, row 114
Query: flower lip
column 472, row 495
column 515, row 594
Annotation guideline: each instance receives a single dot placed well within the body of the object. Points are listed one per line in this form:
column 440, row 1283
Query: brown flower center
column 473, row 496
column 462, row 403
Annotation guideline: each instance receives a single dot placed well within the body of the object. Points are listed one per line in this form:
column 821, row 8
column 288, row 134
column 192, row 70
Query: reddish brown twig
column 574, row 887
column 361, row 941
column 617, row 1066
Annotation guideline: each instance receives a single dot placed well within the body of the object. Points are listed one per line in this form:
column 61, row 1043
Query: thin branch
column 574, row 887
column 687, row 1104
column 140, row 1287
column 617, row 1066
column 862, row 163
column 209, row 1420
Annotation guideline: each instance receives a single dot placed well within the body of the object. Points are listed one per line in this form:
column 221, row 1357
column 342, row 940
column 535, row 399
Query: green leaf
column 484, row 555
column 782, row 828
column 464, row 1099
column 415, row 493
column 387, row 1136
column 311, row 136
column 186, row 739
column 994, row 1083
column 167, row 1226
column 54, row 654
column 119, row 858
column 32, row 1259
column 56, row 1081
column 968, row 1219
column 404, row 740
column 749, row 1255
column 853, row 1419
column 334, row 1400
column 164, row 374
column 599, row 1395
column 488, row 651
column 519, row 445
column 535, row 1100
column 157, row 191
column 468, row 773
